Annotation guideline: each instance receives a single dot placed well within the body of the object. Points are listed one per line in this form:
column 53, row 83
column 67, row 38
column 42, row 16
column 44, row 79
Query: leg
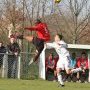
column 68, row 75
column 10, row 65
column 60, row 67
column 87, row 74
column 39, row 43
column 78, row 76
column 14, row 68
column 55, row 74
column 39, row 49
column 28, row 38
column 67, row 67
column 76, row 70
column 59, row 76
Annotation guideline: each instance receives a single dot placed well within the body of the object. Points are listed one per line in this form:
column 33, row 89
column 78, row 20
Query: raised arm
column 50, row 45
column 35, row 28
column 62, row 44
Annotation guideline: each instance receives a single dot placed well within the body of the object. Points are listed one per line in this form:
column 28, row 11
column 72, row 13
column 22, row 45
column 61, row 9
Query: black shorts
column 39, row 43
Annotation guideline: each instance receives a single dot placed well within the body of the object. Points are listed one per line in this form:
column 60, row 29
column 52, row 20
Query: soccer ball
column 57, row 1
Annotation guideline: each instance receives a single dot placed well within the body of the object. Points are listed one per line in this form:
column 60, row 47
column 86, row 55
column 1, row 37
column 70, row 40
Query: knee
column 68, row 71
column 58, row 71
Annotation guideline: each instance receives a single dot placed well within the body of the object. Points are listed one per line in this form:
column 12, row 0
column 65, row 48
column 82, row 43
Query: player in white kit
column 64, row 56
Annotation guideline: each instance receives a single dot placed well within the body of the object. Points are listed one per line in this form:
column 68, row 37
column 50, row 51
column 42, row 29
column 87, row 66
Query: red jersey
column 82, row 62
column 41, row 30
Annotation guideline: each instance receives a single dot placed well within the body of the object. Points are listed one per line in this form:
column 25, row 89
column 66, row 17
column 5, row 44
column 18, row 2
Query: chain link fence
column 12, row 66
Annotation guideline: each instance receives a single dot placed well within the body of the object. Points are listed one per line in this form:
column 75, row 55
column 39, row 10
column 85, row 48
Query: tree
column 76, row 17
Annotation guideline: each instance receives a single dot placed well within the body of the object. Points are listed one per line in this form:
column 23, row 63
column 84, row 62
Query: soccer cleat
column 20, row 37
column 31, row 61
column 61, row 85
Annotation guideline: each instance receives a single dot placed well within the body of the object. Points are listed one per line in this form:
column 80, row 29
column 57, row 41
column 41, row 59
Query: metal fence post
column 42, row 65
column 5, row 66
column 19, row 67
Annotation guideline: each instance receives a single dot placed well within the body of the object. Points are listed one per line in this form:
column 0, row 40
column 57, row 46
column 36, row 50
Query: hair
column 74, row 54
column 83, row 53
column 38, row 21
column 60, row 36
column 12, row 36
column 52, row 55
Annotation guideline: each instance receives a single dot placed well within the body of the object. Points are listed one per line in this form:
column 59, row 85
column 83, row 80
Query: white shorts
column 64, row 63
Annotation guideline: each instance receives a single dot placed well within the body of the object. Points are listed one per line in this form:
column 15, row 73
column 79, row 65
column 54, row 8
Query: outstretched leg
column 59, row 76
column 39, row 44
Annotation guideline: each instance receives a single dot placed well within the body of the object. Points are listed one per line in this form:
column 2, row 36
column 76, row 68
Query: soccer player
column 64, row 56
column 83, row 62
column 42, row 36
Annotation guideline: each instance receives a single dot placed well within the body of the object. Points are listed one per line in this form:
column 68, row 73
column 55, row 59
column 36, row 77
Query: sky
column 49, row 9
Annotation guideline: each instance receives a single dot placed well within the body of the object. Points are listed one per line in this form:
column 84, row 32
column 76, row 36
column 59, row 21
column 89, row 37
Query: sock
column 76, row 70
column 60, row 79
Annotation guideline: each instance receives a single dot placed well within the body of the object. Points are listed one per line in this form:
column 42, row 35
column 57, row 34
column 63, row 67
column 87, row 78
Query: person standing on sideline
column 83, row 62
column 73, row 76
column 50, row 66
column 13, row 51
column 43, row 35
column 2, row 52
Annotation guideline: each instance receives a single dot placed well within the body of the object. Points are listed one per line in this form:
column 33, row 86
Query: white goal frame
column 70, row 46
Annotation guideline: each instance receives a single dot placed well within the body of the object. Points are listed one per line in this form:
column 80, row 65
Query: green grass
column 39, row 85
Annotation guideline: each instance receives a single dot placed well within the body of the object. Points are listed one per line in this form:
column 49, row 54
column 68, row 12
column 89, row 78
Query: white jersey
column 64, row 56
column 60, row 47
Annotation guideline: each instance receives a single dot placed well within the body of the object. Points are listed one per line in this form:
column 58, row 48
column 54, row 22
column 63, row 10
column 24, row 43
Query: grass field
column 39, row 85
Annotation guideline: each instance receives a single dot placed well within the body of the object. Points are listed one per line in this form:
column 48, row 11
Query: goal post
column 89, row 64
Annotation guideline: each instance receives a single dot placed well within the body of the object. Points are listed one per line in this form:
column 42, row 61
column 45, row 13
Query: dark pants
column 50, row 74
column 1, row 60
column 12, row 66
column 39, row 43
column 69, row 77
column 84, row 75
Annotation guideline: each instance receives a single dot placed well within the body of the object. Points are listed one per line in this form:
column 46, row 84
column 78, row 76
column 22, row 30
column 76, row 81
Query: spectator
column 15, row 34
column 73, row 60
column 83, row 62
column 13, row 50
column 72, row 66
column 55, row 72
column 2, row 51
column 73, row 76
column 50, row 65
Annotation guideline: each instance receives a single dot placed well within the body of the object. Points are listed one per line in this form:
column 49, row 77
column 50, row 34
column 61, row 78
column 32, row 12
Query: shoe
column 31, row 61
column 80, row 81
column 86, row 81
column 20, row 37
column 61, row 85
column 54, row 81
